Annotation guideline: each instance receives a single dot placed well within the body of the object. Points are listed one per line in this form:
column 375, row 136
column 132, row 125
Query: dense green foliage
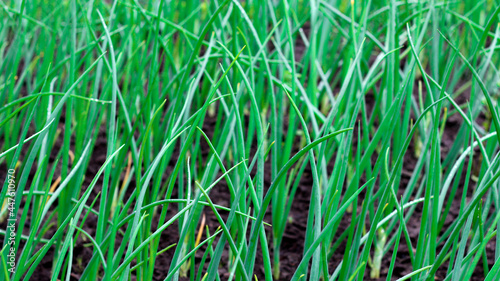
column 357, row 94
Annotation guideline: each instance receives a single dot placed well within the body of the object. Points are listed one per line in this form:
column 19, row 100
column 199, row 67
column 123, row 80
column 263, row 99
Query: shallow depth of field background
column 249, row 140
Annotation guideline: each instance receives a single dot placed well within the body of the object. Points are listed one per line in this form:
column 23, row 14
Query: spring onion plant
column 119, row 119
